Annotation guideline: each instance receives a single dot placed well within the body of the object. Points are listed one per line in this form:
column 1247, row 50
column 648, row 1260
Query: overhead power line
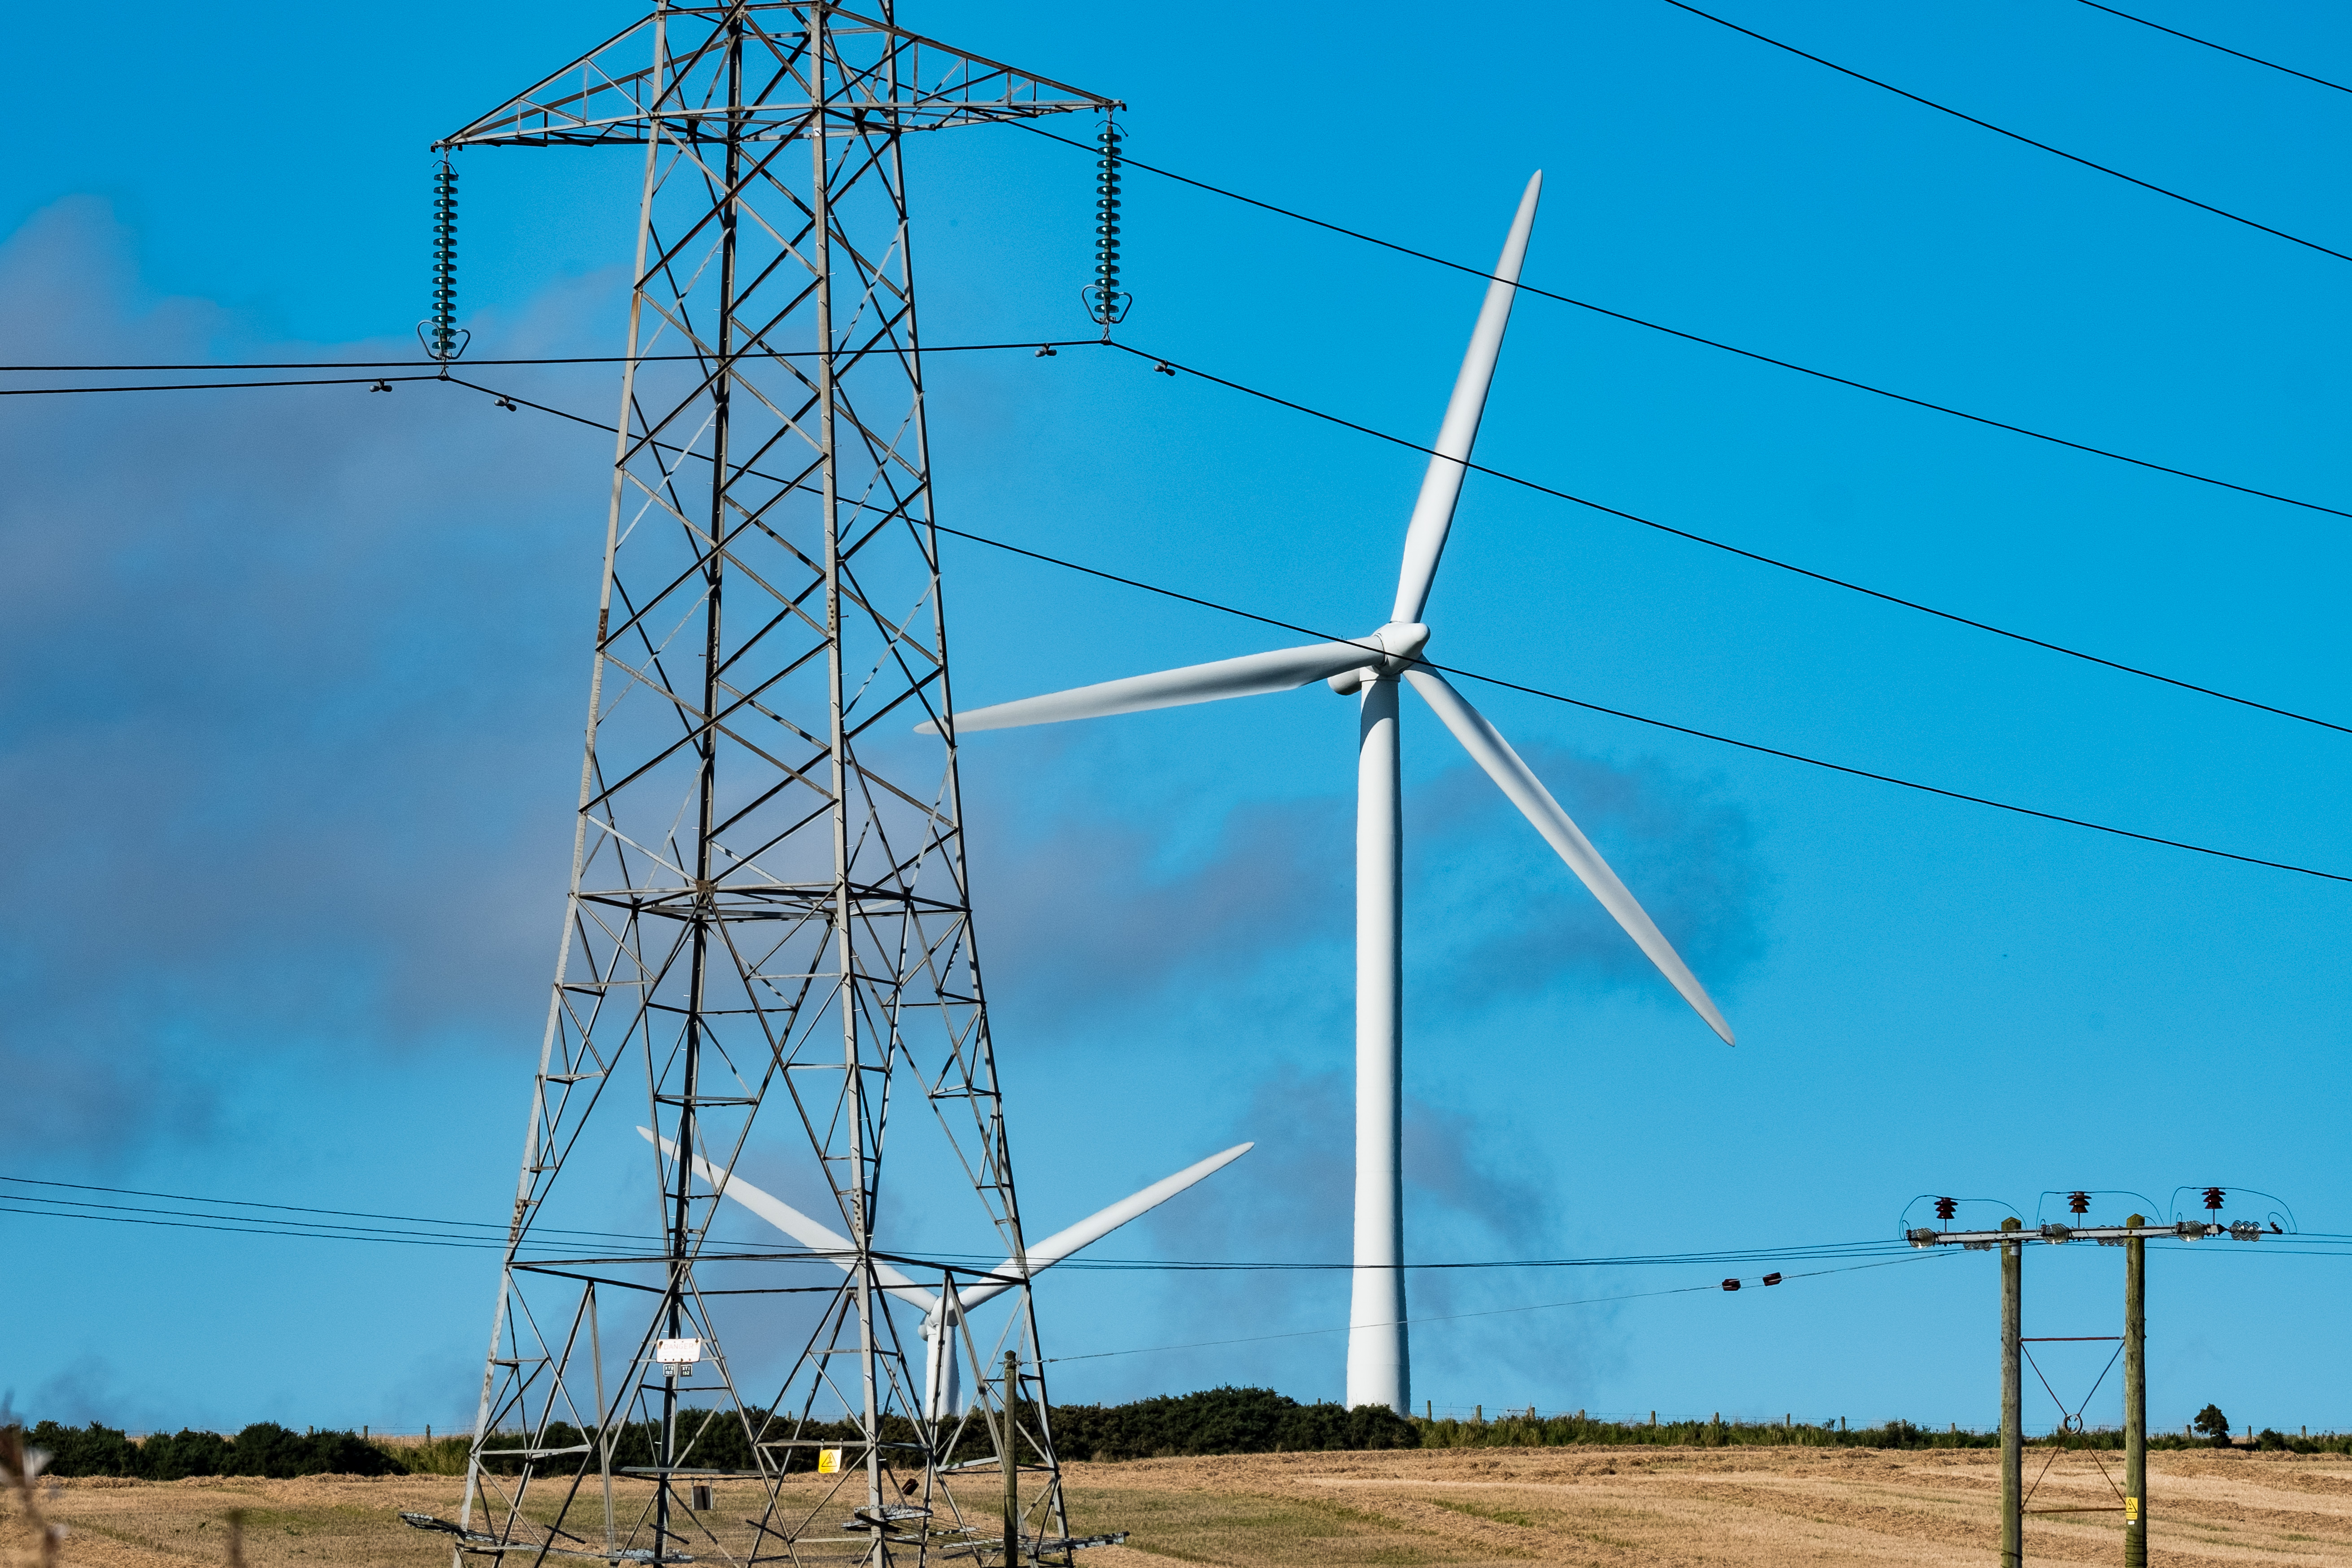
column 1730, row 549
column 212, row 385
column 2014, row 136
column 268, row 1224
column 1760, row 358
column 509, row 399
column 2191, row 37
column 437, row 374
column 1541, row 488
column 1656, row 723
column 1555, row 696
column 1488, row 1312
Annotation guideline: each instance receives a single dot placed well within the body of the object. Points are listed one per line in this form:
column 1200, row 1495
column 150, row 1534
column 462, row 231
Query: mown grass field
column 1622, row 1508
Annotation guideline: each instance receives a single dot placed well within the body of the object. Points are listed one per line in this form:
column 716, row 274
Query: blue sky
column 289, row 723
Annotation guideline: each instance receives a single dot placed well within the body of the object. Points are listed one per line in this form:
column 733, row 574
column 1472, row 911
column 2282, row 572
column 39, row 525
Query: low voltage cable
column 1457, row 1317
column 1760, row 358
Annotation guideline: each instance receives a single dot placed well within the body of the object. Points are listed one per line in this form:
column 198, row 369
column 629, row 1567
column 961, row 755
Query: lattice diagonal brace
column 769, row 938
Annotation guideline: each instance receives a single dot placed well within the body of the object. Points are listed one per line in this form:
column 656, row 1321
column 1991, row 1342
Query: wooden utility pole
column 2012, row 1400
column 2135, row 1399
column 1004, row 1458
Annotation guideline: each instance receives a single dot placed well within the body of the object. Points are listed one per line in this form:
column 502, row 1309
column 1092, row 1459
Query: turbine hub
column 1403, row 640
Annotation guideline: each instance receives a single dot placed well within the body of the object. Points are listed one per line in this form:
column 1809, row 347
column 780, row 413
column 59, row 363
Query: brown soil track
column 1622, row 1508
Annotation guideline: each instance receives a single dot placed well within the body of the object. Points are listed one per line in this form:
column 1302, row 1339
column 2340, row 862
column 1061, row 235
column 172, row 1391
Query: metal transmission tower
column 769, row 909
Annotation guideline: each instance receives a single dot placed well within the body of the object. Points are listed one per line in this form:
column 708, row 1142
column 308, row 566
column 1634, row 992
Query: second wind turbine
column 1378, row 1363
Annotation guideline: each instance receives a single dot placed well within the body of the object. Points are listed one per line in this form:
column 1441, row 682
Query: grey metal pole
column 2012, row 1435
column 1004, row 1458
column 2135, row 1399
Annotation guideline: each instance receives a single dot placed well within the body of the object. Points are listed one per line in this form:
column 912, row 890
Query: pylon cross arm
column 878, row 77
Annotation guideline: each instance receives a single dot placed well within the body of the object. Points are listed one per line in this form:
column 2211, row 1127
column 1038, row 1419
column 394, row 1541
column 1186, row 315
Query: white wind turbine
column 943, row 1384
column 1377, row 1363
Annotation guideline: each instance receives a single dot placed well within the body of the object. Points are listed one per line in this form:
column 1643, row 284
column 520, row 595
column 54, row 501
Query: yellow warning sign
column 828, row 1461
column 2131, row 1510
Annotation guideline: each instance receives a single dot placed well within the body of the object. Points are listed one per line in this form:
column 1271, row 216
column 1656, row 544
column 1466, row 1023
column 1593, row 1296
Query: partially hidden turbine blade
column 1251, row 675
column 1440, row 484
column 1094, row 1227
column 1491, row 752
column 810, row 1233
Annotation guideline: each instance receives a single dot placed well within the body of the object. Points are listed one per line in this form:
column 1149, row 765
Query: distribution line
column 1998, row 131
column 265, row 1225
column 1730, row 549
column 1759, row 358
column 972, row 1267
column 1578, row 702
column 1457, row 1317
column 2209, row 43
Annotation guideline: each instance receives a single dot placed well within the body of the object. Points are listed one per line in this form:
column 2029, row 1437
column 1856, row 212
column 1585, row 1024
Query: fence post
column 1006, row 1458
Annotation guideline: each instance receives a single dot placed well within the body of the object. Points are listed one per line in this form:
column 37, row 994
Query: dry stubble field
column 1624, row 1508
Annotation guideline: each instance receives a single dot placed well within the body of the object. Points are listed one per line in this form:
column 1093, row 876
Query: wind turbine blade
column 1491, row 752
column 1441, row 485
column 1248, row 676
column 1094, row 1227
column 838, row 1249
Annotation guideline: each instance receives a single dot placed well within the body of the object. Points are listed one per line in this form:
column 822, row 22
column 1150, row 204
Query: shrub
column 264, row 1448
column 1224, row 1421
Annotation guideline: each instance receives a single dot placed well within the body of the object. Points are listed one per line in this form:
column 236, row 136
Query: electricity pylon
column 769, row 909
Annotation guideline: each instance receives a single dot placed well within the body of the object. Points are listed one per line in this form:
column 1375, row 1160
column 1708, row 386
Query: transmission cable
column 1596, row 506
column 510, row 400
column 384, row 383
column 2014, row 136
column 1560, row 697
column 1653, row 723
column 1760, row 358
column 565, row 359
column 2191, row 37
column 1735, row 550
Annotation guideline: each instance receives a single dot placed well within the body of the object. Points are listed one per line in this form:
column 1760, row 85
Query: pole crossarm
column 878, row 77
column 2104, row 1234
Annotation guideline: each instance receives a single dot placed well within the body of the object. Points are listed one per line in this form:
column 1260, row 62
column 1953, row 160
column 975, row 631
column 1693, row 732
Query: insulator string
column 439, row 332
column 1104, row 302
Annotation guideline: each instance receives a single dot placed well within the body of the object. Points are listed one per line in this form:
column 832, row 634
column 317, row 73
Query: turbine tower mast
column 769, row 909
column 1371, row 668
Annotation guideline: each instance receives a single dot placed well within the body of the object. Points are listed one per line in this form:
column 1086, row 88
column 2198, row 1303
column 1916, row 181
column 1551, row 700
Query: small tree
column 2213, row 1424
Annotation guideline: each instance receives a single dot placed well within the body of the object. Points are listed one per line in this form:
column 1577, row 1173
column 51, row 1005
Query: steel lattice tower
column 769, row 908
